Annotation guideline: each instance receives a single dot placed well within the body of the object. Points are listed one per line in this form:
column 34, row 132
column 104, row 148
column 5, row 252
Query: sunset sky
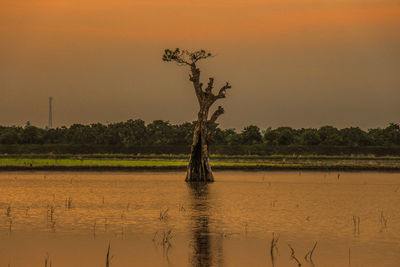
column 299, row 63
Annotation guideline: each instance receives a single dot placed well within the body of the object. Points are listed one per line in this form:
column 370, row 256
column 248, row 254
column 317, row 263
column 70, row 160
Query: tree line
column 163, row 133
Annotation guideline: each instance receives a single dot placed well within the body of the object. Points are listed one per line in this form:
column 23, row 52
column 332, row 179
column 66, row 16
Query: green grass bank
column 178, row 162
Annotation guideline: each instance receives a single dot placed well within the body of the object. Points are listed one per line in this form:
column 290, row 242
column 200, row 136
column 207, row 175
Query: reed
column 10, row 225
column 293, row 256
column 53, row 226
column 94, row 229
column 383, row 220
column 163, row 238
column 122, row 231
column 8, row 211
column 356, row 224
column 163, row 215
column 47, row 261
column 68, row 203
column 27, row 211
column 349, row 257
column 181, row 207
column 166, row 238
column 52, row 210
column 155, row 236
column 108, row 257
column 308, row 256
column 274, row 248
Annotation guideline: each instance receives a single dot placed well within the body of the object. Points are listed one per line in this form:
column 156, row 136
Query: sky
column 298, row 63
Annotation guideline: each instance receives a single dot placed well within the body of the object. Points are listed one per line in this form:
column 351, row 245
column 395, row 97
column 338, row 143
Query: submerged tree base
column 199, row 168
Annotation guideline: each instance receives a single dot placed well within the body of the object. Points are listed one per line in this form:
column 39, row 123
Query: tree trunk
column 199, row 168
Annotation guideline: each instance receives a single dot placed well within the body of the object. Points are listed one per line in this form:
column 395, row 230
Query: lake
column 156, row 219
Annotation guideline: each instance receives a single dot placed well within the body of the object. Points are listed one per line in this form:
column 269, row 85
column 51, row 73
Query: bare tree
column 199, row 169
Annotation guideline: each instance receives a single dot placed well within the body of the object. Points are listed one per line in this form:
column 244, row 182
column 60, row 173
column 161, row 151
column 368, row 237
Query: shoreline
column 186, row 157
column 216, row 168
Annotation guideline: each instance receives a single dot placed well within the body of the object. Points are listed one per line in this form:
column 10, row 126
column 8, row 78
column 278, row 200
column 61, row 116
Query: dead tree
column 199, row 169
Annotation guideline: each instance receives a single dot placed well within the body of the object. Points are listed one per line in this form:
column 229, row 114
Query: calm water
column 156, row 219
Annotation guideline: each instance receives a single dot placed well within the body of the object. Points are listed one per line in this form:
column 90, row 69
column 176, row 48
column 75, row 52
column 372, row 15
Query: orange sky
column 184, row 20
column 291, row 62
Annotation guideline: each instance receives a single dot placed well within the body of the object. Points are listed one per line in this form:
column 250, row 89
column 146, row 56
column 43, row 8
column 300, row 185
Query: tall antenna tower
column 50, row 112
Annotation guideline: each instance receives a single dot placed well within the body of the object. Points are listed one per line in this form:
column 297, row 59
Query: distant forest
column 159, row 133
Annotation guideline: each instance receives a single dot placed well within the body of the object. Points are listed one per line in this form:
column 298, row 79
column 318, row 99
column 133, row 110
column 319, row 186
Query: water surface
column 156, row 219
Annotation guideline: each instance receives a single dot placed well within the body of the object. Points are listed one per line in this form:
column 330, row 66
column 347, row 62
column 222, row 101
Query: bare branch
column 210, row 85
column 222, row 91
column 215, row 115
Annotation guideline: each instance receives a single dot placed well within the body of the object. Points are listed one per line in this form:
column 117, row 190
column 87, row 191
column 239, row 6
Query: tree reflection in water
column 201, row 238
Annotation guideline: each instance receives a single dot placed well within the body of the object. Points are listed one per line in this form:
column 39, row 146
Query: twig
column 8, row 212
column 108, row 257
column 94, row 229
column 383, row 221
column 164, row 215
column 293, row 256
column 273, row 247
column 154, row 237
column 356, row 222
column 10, row 226
column 47, row 260
column 349, row 258
column 308, row 256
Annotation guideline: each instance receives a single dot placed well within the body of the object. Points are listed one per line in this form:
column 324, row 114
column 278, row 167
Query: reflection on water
column 71, row 217
column 201, row 242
